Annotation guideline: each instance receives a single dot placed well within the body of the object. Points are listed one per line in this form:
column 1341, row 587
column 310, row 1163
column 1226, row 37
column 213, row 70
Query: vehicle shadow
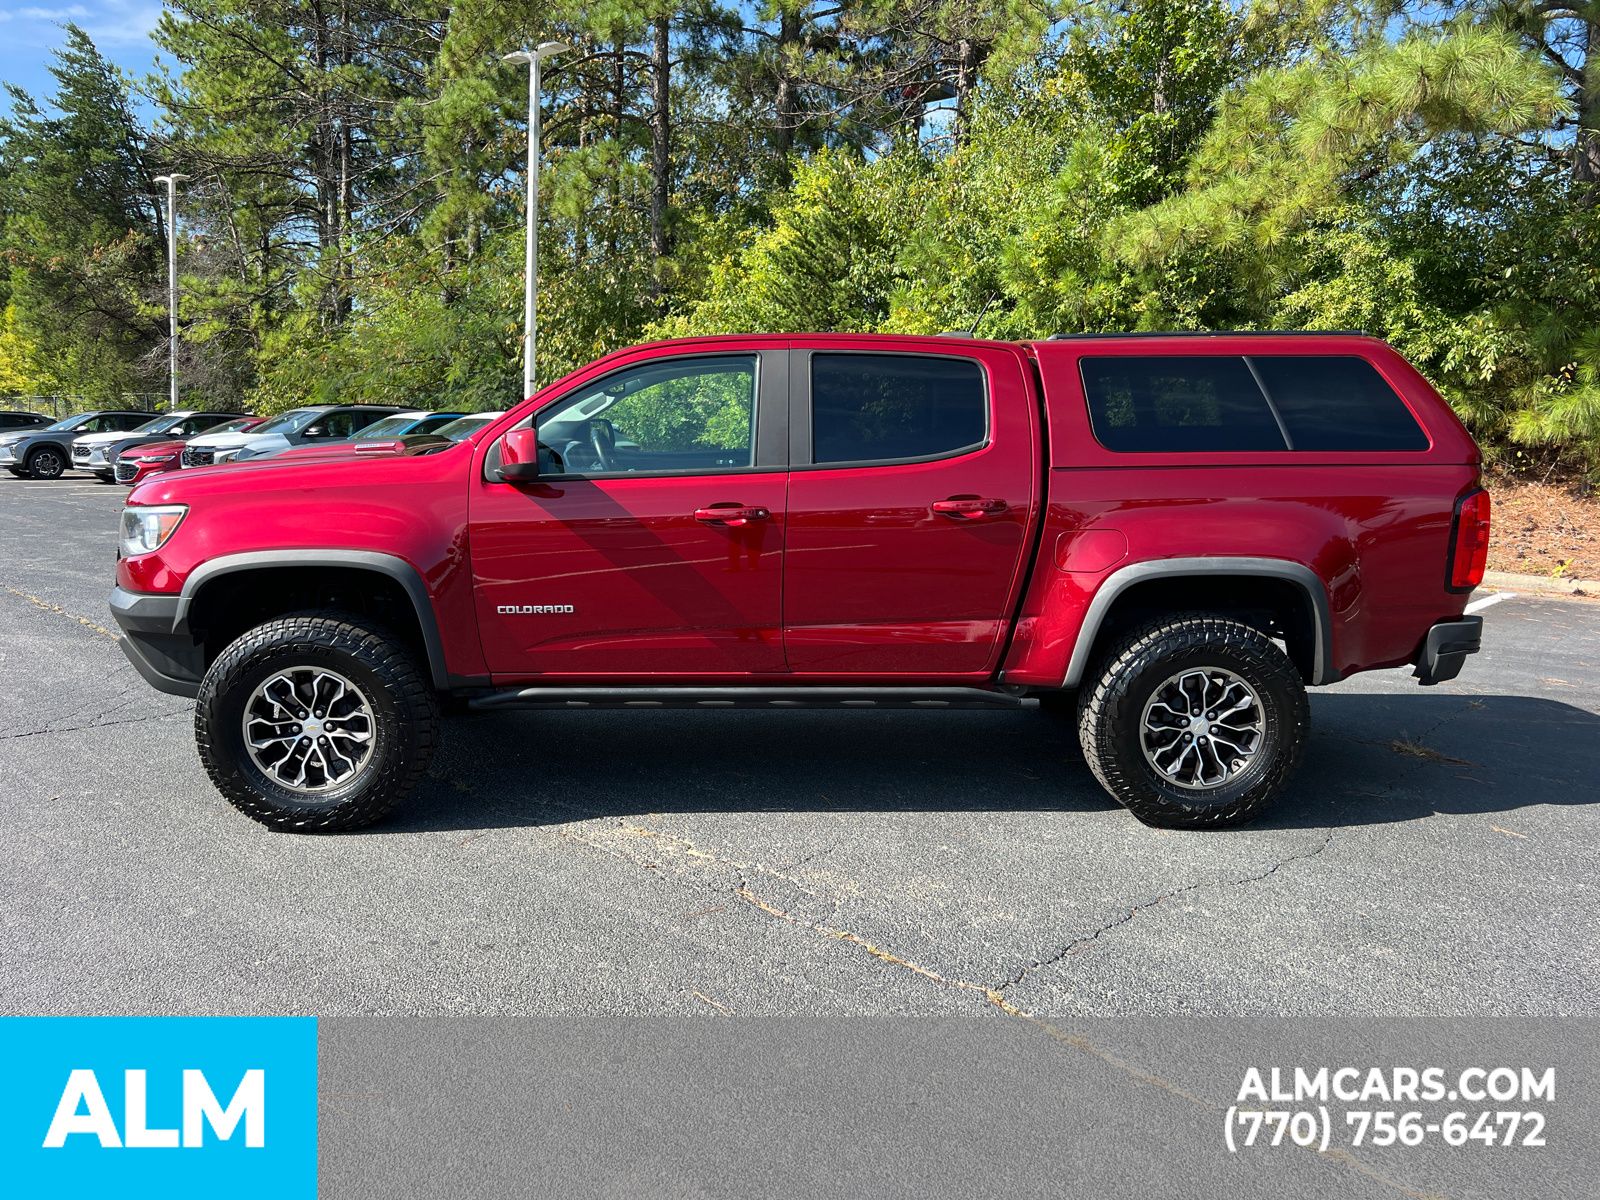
column 1374, row 758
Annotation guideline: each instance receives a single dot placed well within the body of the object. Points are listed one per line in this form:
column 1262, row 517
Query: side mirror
column 519, row 456
column 314, row 431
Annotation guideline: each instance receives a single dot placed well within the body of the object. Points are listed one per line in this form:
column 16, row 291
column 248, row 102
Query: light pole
column 172, row 284
column 530, row 271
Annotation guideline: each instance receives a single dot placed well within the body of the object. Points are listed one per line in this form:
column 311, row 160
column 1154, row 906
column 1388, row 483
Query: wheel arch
column 1310, row 643
column 64, row 450
column 208, row 582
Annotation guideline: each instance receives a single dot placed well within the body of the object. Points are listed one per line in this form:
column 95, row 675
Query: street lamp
column 530, row 272
column 172, row 283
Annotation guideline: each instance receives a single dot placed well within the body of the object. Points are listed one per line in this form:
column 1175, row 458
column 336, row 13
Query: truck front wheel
column 1196, row 722
column 315, row 722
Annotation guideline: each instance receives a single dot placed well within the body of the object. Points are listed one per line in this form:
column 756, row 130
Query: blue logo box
column 158, row 1106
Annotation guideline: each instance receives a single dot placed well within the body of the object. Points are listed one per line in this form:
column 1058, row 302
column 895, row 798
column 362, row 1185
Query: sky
column 28, row 32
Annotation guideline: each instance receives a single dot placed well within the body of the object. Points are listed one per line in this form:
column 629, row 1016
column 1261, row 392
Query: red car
column 138, row 463
column 1174, row 535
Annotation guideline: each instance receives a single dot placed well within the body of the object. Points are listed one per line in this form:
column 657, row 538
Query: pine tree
column 82, row 234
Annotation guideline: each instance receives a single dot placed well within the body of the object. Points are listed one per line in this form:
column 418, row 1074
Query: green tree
column 81, row 233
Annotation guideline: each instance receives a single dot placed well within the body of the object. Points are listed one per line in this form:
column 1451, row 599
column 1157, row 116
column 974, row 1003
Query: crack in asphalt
column 26, row 733
column 990, row 995
column 995, row 998
column 47, row 606
column 1077, row 944
column 686, row 849
column 1130, row 913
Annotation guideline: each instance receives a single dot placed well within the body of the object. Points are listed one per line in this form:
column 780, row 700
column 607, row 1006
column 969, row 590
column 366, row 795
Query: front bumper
column 7, row 454
column 1445, row 649
column 169, row 659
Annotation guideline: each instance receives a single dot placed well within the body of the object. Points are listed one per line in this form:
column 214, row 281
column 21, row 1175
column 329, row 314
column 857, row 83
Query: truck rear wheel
column 315, row 722
column 1196, row 722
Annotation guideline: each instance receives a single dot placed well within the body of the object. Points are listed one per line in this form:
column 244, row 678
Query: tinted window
column 340, row 424
column 190, row 426
column 292, row 421
column 1337, row 402
column 466, row 426
column 434, row 423
column 690, row 415
column 358, row 419
column 1177, row 402
column 392, row 427
column 882, row 407
column 233, row 426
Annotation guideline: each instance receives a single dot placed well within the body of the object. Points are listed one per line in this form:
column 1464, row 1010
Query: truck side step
column 746, row 697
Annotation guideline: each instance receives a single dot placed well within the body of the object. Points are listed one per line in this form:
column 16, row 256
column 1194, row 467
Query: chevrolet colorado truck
column 1170, row 537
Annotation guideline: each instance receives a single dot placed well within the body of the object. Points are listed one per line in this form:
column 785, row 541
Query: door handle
column 968, row 508
column 731, row 515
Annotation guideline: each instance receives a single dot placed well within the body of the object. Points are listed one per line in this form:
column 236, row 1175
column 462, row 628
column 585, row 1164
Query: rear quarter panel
column 1373, row 526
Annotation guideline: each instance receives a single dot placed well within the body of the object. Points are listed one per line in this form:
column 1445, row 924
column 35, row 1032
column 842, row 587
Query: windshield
column 388, row 427
column 465, row 426
column 158, row 424
column 233, row 426
column 292, row 421
column 71, row 422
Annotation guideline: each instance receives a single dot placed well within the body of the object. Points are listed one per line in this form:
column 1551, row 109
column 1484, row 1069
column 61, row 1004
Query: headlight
column 222, row 456
column 151, row 458
column 146, row 528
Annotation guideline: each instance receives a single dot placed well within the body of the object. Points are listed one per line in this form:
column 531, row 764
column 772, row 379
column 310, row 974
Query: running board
column 747, row 697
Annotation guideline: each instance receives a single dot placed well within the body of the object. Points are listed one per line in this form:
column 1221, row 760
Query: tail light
column 1469, row 541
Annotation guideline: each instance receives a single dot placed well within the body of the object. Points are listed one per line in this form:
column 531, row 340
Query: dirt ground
column 1540, row 529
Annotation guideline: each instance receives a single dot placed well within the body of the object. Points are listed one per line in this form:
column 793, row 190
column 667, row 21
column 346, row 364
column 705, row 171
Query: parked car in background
column 405, row 424
column 454, row 429
column 315, row 425
column 18, row 419
column 1170, row 537
column 46, row 453
column 97, row 452
column 464, row 427
column 138, row 462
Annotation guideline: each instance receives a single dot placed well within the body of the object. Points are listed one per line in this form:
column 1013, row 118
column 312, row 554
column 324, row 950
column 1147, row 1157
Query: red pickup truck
column 1170, row 536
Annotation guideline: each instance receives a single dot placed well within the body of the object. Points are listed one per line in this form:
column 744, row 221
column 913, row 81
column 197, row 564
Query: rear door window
column 1337, row 402
column 1178, row 403
column 190, row 426
column 874, row 408
column 342, row 423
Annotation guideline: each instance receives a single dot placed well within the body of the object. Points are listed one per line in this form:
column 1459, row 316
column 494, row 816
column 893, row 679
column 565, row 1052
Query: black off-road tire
column 46, row 463
column 405, row 711
column 1113, row 705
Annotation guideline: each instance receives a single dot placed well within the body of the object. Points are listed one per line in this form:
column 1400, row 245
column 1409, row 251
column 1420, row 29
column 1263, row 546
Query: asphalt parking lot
column 1437, row 857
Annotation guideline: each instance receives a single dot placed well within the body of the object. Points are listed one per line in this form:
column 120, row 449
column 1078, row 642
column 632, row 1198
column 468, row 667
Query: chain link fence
column 56, row 407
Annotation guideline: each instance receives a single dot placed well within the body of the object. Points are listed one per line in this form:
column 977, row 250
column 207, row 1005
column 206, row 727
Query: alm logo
column 83, row 1110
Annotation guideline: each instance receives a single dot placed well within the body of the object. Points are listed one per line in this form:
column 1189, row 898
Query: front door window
column 689, row 417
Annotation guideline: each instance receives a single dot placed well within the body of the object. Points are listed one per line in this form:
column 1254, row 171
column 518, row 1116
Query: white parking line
column 1480, row 605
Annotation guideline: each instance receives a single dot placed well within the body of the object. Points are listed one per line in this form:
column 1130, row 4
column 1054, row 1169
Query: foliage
column 353, row 227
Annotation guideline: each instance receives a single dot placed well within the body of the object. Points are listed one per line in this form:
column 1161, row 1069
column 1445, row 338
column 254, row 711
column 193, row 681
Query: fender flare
column 1302, row 576
column 390, row 565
